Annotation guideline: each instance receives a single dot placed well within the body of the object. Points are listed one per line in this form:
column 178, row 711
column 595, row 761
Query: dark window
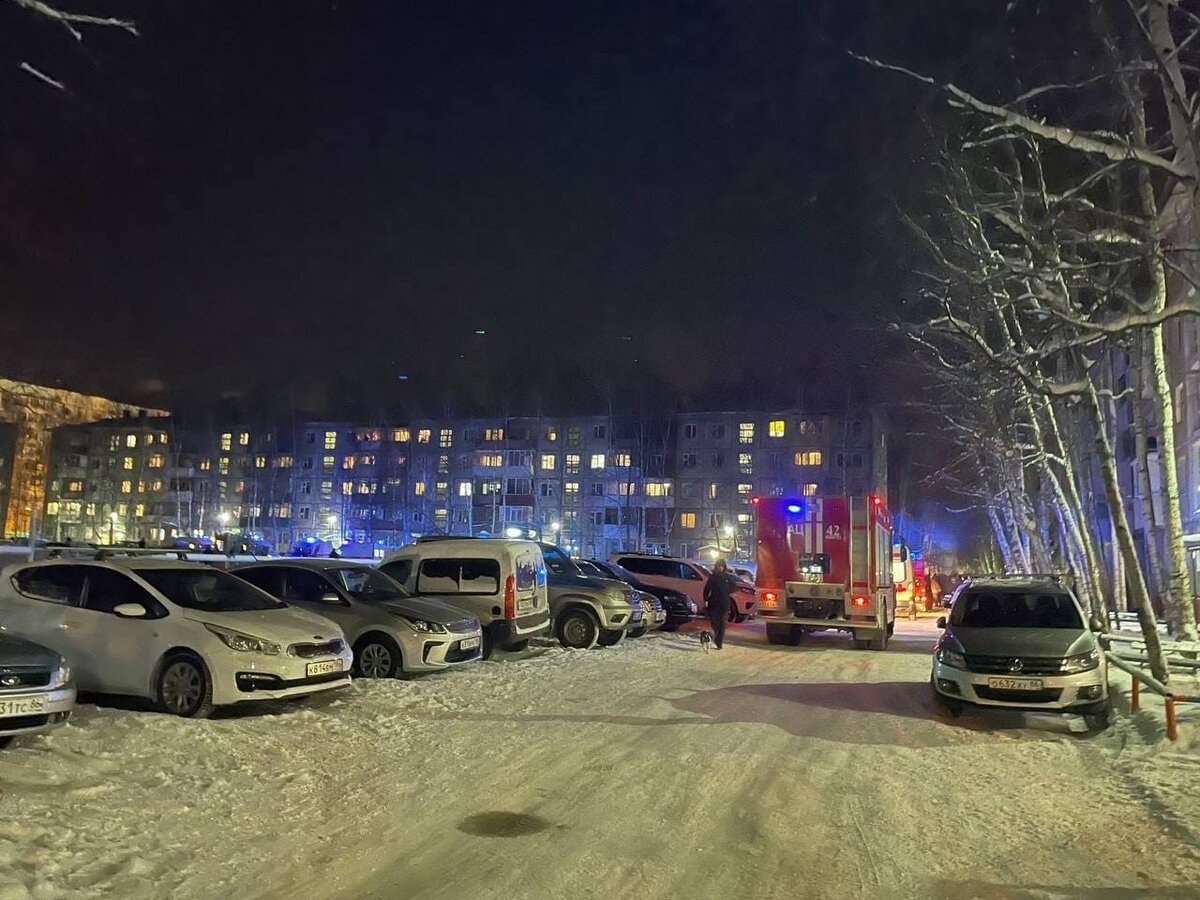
column 54, row 584
column 458, row 576
column 368, row 585
column 210, row 590
column 107, row 589
column 399, row 570
column 979, row 608
column 264, row 578
column 304, row 586
column 641, row 565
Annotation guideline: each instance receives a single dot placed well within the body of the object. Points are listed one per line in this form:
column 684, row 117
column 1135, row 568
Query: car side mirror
column 330, row 597
column 941, row 622
column 1105, row 641
column 1096, row 624
column 130, row 611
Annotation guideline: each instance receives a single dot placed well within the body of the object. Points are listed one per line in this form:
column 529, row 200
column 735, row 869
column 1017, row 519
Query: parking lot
column 651, row 767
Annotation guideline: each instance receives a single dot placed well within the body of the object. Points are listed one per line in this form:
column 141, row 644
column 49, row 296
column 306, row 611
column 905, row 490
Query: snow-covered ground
column 648, row 769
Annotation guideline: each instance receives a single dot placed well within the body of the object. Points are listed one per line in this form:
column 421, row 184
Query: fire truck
column 825, row 563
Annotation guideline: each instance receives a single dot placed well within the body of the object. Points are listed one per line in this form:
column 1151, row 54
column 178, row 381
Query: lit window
column 745, row 518
column 367, row 459
column 52, row 508
column 74, row 487
column 400, row 435
column 572, row 467
column 223, row 465
column 162, row 437
column 131, row 440
column 139, row 510
column 284, row 510
column 327, row 462
column 91, row 509
column 493, row 434
column 746, row 433
column 260, row 462
column 330, row 440
column 744, row 489
column 122, row 509
column 114, row 442
column 441, row 490
column 810, row 490
column 623, row 460
column 348, row 462
column 148, row 440
column 156, row 461
column 597, row 460
column 244, row 439
column 365, row 487
column 156, row 485
column 808, row 457
column 549, row 460
column 713, row 490
column 491, row 460
column 658, row 489
column 552, row 434
column 205, row 465
column 326, row 488
column 283, row 462
column 443, row 463
column 126, row 487
column 746, row 463
column 347, row 488
column 239, row 487
column 464, row 489
column 446, row 437
column 571, row 489
column 687, row 520
column 227, row 441
column 775, row 428
column 419, row 488
column 127, row 464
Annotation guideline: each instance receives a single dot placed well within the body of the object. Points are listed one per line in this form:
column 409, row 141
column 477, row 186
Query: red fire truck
column 825, row 563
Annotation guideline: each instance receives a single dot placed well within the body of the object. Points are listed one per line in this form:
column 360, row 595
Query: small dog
column 706, row 640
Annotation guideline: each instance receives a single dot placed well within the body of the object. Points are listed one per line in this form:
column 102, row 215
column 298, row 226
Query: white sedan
column 186, row 636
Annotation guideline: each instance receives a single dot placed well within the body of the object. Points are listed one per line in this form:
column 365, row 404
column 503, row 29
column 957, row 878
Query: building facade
column 594, row 484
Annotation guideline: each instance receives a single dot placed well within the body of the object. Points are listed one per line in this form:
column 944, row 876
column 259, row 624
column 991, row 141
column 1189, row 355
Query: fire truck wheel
column 881, row 642
column 778, row 634
column 794, row 635
column 891, row 629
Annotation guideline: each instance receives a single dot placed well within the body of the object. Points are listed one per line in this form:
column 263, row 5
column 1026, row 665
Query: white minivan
column 502, row 583
column 187, row 636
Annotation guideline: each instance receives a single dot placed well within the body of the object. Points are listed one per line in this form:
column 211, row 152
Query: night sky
column 640, row 202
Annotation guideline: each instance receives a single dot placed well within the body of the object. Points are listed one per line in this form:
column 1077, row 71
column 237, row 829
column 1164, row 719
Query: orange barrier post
column 1172, row 729
column 1135, row 698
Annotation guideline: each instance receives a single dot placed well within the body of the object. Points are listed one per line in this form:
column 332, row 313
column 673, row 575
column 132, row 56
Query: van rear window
column 458, row 576
column 527, row 572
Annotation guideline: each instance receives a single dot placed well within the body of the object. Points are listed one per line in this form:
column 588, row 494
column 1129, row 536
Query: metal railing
column 1130, row 657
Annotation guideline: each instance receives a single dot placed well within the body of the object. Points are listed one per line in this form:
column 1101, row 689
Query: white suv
column 1021, row 643
column 186, row 636
column 684, row 576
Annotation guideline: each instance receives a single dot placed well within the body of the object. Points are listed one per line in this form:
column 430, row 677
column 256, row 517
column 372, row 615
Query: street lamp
column 223, row 518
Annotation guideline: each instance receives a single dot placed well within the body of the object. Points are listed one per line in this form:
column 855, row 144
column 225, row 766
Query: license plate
column 324, row 667
column 468, row 643
column 1015, row 684
column 23, row 706
column 527, row 604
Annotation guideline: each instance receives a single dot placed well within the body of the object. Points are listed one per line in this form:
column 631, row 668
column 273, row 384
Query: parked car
column 501, row 583
column 186, row 636
column 36, row 691
column 390, row 631
column 684, row 576
column 678, row 606
column 588, row 611
column 1020, row 643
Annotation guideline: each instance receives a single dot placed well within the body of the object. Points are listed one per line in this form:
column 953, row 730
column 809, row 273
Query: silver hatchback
column 36, row 692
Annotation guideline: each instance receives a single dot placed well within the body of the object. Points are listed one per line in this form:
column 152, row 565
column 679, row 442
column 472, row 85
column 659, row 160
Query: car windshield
column 208, row 589
column 368, row 585
column 983, row 608
column 620, row 573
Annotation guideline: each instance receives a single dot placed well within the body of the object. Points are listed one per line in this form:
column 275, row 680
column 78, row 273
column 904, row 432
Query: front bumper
column 241, row 677
column 1057, row 692
column 59, row 705
column 616, row 618
column 433, row 652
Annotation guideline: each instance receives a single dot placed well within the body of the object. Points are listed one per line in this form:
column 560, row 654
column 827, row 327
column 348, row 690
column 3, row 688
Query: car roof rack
column 103, row 553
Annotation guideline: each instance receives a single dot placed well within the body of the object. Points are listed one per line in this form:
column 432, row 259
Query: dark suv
column 680, row 608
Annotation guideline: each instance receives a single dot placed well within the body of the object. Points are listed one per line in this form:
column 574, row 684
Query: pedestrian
column 718, row 597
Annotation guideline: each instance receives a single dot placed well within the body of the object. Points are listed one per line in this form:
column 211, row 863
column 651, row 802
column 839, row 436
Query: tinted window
column 107, row 589
column 981, row 608
column 558, row 562
column 367, row 584
column 400, row 570
column 588, row 568
column 208, row 589
column 269, row 580
column 458, row 576
column 642, row 566
column 54, row 584
column 305, row 586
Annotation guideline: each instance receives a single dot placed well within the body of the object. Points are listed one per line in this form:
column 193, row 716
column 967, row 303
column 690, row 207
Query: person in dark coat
column 718, row 598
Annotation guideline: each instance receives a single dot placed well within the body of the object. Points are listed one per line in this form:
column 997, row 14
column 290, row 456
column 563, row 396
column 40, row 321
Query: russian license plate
column 324, row 667
column 23, row 706
column 526, row 604
column 468, row 643
column 1016, row 684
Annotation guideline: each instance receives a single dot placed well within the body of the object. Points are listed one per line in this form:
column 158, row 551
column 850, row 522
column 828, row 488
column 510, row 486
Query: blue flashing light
column 795, row 509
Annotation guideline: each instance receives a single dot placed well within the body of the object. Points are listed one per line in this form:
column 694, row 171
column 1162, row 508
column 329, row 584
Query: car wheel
column 740, row 617
column 377, row 656
column 578, row 630
column 487, row 646
column 891, row 629
column 609, row 638
column 1097, row 717
column 5, row 741
column 638, row 632
column 184, row 688
column 517, row 646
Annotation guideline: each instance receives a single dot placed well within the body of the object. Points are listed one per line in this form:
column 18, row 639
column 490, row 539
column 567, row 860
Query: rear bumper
column 1066, row 693
column 509, row 631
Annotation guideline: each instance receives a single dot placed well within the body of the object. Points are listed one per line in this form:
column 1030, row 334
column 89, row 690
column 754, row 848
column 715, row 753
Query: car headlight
column 423, row 625
column 1084, row 662
column 244, row 643
column 615, row 598
column 692, row 608
column 951, row 658
column 61, row 676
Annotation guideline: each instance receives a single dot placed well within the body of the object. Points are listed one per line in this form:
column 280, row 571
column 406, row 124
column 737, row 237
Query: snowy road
column 649, row 770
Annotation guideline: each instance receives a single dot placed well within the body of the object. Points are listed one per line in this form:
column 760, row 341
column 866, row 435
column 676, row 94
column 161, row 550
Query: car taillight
column 770, row 596
column 859, row 601
column 510, row 597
